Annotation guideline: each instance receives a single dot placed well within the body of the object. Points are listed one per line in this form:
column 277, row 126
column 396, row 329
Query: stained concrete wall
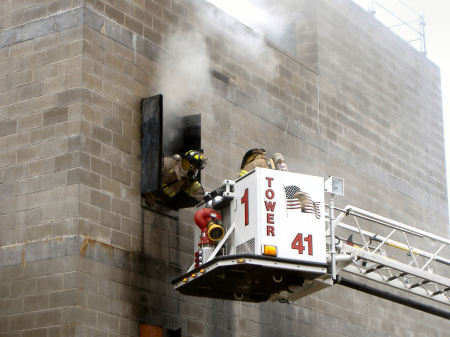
column 80, row 257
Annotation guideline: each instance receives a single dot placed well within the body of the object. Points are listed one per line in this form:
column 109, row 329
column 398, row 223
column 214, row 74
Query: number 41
column 298, row 243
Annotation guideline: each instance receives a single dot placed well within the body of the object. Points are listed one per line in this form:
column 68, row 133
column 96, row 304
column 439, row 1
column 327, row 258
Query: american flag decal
column 297, row 199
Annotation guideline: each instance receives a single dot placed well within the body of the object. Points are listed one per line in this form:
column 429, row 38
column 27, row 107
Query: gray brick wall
column 78, row 254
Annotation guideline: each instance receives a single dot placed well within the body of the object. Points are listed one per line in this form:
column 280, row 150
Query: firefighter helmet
column 196, row 158
column 250, row 156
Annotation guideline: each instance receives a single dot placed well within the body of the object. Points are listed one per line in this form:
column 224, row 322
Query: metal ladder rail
column 369, row 264
column 398, row 275
column 389, row 244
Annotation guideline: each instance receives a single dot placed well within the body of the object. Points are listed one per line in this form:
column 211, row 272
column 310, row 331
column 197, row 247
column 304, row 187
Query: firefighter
column 280, row 163
column 179, row 180
column 257, row 158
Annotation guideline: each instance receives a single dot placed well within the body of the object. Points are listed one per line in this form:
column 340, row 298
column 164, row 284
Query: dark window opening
column 174, row 333
column 164, row 136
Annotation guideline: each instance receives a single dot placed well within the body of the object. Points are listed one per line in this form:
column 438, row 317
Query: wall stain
column 24, row 260
column 89, row 242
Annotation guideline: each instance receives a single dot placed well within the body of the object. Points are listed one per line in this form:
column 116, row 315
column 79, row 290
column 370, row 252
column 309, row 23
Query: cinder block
column 110, row 186
column 97, row 302
column 54, row 213
column 23, row 321
column 22, row 48
column 54, row 147
column 72, row 34
column 102, row 135
column 55, row 115
column 6, row 67
column 153, row 35
column 9, row 96
column 35, row 302
column 69, row 96
column 108, row 322
column 38, row 199
column 122, row 143
column 52, row 180
column 195, row 328
column 160, row 26
column 100, row 200
column 92, row 115
column 42, row 332
column 49, row 317
column 31, row 91
column 92, row 82
column 56, row 84
column 45, row 165
column 163, row 3
column 92, row 147
column 29, row 153
column 114, row 14
column 134, row 25
column 65, row 330
column 110, row 220
column 68, row 160
column 121, row 240
column 89, row 212
column 67, row 298
column 100, row 166
column 134, row 227
column 21, row 78
column 121, row 207
column 59, row 6
column 10, row 306
column 121, row 174
column 30, row 122
column 42, row 134
column 45, row 42
column 58, row 53
column 144, row 16
column 8, row 127
column 70, row 65
column 74, row 143
column 112, row 124
column 15, row 141
column 90, row 179
column 33, row 105
column 8, row 158
column 4, row 323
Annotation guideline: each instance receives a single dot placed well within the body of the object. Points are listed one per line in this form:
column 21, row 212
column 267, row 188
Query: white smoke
column 262, row 20
column 185, row 76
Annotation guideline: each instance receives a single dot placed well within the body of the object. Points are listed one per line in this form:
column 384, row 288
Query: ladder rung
column 418, row 284
column 392, row 278
column 373, row 269
column 440, row 291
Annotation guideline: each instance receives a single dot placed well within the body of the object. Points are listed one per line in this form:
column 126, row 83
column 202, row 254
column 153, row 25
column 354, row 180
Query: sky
column 437, row 37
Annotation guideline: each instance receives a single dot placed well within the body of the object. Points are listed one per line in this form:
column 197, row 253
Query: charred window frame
column 159, row 139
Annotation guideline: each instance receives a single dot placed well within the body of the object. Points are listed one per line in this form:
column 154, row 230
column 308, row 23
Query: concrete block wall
column 78, row 254
column 41, row 59
column 381, row 101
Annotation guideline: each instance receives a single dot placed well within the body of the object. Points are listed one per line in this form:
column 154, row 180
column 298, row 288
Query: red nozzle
column 202, row 217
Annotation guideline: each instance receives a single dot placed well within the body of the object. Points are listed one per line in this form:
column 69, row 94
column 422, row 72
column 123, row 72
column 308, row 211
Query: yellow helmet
column 196, row 158
column 250, row 156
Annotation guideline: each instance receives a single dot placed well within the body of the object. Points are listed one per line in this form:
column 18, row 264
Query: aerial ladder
column 268, row 236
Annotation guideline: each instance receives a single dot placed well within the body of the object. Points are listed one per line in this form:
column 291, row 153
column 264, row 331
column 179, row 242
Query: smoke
column 184, row 81
column 272, row 18
column 185, row 76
